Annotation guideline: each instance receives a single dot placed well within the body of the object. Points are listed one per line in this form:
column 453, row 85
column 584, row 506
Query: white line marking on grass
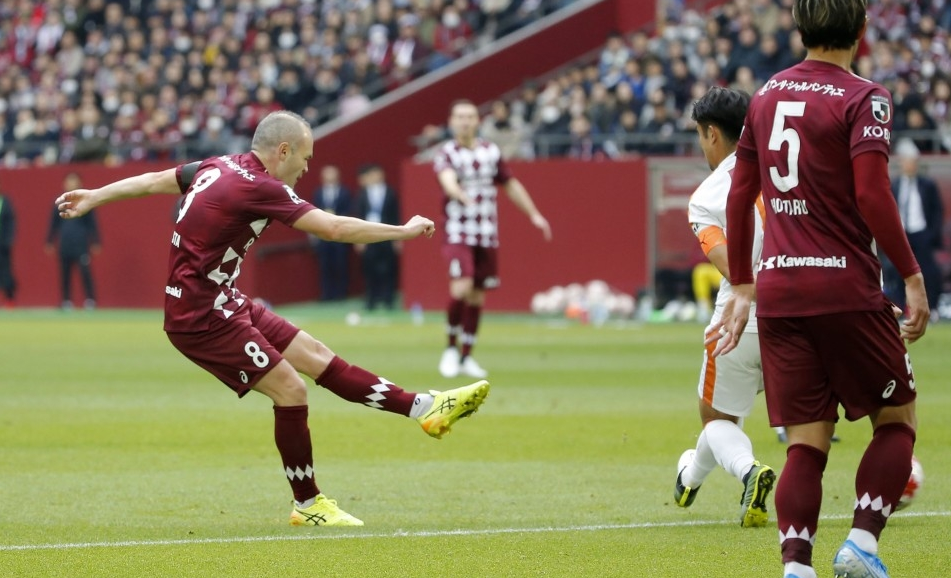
column 410, row 534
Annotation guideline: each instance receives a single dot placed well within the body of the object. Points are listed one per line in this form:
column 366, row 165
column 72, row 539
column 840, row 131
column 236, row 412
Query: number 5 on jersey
column 779, row 135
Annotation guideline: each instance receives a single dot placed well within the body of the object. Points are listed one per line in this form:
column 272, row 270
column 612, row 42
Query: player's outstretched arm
column 352, row 230
column 77, row 203
column 519, row 195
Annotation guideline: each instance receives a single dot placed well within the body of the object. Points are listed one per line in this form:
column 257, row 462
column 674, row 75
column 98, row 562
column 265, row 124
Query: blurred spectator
column 922, row 216
column 582, row 146
column 78, row 241
column 450, row 38
column 378, row 203
column 8, row 283
column 505, row 130
column 333, row 258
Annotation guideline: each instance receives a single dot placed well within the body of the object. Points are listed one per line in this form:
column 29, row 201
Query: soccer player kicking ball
column 816, row 142
column 229, row 202
column 728, row 385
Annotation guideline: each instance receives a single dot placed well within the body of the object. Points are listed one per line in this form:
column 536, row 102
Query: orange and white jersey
column 707, row 215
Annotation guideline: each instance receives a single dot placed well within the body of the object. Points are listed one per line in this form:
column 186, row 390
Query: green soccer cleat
column 683, row 495
column 451, row 406
column 324, row 512
column 759, row 483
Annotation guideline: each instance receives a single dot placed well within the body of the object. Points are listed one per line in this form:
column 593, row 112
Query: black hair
column 724, row 108
column 829, row 24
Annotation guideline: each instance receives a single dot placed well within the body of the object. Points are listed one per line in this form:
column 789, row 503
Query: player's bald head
column 829, row 24
column 277, row 127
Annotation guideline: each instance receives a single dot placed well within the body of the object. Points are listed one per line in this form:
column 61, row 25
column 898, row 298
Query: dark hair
column 829, row 24
column 724, row 108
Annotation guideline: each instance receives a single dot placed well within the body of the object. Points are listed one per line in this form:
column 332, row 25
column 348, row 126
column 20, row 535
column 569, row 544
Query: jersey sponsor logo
column 236, row 167
column 293, row 195
column 175, row 292
column 802, row 86
column 787, row 262
column 176, row 238
column 793, row 207
column 881, row 108
column 876, row 131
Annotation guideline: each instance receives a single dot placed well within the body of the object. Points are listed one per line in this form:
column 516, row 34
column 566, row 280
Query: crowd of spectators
column 155, row 79
column 635, row 96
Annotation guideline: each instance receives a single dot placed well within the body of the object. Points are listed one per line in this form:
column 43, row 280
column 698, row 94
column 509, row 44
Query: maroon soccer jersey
column 229, row 203
column 806, row 125
column 479, row 169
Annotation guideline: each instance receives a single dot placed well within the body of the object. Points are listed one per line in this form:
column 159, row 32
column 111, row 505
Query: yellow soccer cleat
column 451, row 406
column 324, row 512
column 757, row 485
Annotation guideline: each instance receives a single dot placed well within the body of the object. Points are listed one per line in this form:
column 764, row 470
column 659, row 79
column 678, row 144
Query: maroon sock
column 358, row 385
column 293, row 442
column 470, row 326
column 882, row 475
column 454, row 320
column 798, row 499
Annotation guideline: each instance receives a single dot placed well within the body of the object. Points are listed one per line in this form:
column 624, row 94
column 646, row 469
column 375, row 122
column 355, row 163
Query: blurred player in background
column 729, row 384
column 229, row 202
column 469, row 169
column 816, row 142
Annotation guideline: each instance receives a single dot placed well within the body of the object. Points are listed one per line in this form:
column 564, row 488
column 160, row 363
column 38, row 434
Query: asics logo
column 889, row 389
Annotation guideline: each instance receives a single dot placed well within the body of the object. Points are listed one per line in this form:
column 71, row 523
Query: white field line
column 411, row 534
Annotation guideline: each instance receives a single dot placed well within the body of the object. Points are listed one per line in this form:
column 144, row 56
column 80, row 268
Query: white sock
column 731, row 447
column 864, row 540
column 422, row 404
column 799, row 570
column 306, row 503
column 701, row 466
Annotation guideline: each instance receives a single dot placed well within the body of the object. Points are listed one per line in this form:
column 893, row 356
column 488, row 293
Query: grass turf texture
column 120, row 458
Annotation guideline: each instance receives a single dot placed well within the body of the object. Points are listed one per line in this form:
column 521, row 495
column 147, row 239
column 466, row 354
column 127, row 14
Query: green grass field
column 120, row 458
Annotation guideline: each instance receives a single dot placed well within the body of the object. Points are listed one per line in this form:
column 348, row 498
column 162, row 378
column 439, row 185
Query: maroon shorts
column 813, row 364
column 241, row 349
column 478, row 263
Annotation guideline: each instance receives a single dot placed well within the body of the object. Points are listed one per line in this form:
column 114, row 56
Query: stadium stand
column 634, row 96
column 174, row 79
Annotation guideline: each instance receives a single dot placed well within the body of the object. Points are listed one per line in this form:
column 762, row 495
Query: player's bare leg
column 292, row 435
column 435, row 411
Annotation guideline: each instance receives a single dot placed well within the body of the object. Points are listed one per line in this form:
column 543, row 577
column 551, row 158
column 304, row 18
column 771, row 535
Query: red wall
column 131, row 269
column 598, row 214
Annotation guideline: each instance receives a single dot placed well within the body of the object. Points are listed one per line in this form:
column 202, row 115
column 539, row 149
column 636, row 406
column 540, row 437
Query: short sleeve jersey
column 707, row 208
column 804, row 127
column 228, row 204
column 479, row 170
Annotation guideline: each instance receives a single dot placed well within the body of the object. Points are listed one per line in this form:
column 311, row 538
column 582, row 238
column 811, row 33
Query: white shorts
column 729, row 383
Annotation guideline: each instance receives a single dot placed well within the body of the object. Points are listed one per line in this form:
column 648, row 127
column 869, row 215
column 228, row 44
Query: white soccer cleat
column 449, row 362
column 472, row 368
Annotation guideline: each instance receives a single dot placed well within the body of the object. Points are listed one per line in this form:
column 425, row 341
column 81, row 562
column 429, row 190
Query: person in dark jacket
column 78, row 242
column 378, row 203
column 7, row 229
column 333, row 258
column 922, row 215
